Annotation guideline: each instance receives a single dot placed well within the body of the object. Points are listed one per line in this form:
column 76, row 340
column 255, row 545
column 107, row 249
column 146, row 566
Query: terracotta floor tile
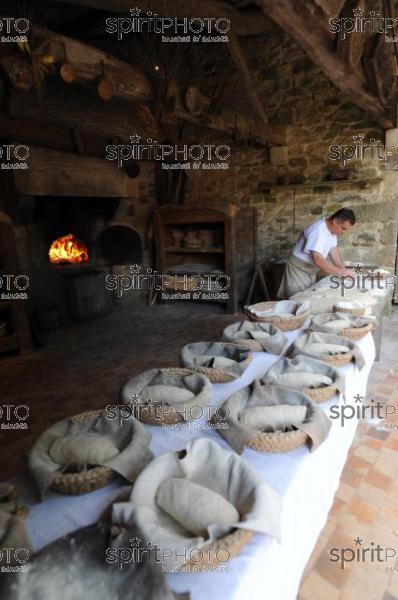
column 392, row 441
column 362, row 510
column 366, row 453
column 369, row 578
column 392, row 586
column 373, row 443
column 351, row 477
column 332, row 572
column 316, row 586
column 339, row 506
column 378, row 479
column 380, row 434
column 387, row 466
column 345, row 492
column 392, row 495
column 353, row 592
column 359, row 461
column 371, row 494
column 352, row 526
column 389, row 512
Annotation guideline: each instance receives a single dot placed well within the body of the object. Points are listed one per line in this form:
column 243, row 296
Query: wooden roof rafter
column 341, row 64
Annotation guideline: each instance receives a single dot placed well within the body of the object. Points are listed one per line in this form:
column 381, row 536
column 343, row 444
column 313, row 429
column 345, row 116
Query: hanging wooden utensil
column 195, row 102
column 104, row 86
column 66, row 70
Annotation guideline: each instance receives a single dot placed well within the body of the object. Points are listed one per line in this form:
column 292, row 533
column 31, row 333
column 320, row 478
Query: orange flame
column 68, row 249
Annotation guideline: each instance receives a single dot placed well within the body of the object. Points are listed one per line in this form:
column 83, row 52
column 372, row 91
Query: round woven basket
column 218, row 375
column 339, row 360
column 153, row 415
column 356, row 333
column 252, row 345
column 218, row 552
column 84, row 481
column 357, row 312
column 321, row 394
column 283, row 324
column 278, row 441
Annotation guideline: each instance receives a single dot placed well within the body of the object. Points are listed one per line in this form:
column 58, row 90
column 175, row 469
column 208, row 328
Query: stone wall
column 297, row 94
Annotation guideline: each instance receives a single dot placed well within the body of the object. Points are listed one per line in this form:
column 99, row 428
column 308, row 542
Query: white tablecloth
column 306, row 481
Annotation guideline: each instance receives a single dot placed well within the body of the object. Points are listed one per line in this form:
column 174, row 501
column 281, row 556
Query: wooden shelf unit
column 170, row 217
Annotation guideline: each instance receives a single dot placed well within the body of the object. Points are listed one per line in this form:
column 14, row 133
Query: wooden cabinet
column 196, row 248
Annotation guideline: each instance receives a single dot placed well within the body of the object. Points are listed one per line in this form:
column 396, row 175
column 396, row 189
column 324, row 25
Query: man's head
column 341, row 221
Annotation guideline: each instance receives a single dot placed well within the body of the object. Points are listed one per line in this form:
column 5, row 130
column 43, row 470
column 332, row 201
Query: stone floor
column 84, row 366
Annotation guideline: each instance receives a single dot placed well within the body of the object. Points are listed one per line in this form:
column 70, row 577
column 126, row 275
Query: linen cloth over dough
column 317, row 344
column 320, row 349
column 285, row 309
column 130, row 438
column 181, row 498
column 332, row 322
column 273, row 417
column 303, row 372
column 302, row 380
column 83, row 449
column 179, row 391
column 206, row 464
column 215, row 355
column 316, row 424
column 268, row 335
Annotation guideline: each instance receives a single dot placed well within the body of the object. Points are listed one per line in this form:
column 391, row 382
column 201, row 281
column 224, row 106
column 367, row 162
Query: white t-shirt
column 317, row 238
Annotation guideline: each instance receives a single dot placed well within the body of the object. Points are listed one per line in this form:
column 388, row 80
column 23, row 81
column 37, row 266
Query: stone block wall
column 296, row 93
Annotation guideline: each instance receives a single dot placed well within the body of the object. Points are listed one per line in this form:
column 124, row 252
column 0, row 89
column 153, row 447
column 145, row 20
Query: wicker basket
column 357, row 333
column 337, row 361
column 278, row 441
column 226, row 547
column 356, row 312
column 84, row 481
column 252, row 345
column 321, row 394
column 218, row 375
column 150, row 414
column 283, row 324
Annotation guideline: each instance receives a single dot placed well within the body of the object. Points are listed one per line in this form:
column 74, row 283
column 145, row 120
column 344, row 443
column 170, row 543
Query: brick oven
column 88, row 208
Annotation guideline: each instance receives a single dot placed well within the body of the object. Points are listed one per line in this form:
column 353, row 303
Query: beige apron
column 298, row 276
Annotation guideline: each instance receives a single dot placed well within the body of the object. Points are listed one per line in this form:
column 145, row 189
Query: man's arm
column 328, row 267
column 336, row 257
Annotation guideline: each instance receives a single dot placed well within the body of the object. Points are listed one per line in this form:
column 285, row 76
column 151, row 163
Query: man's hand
column 329, row 267
column 347, row 273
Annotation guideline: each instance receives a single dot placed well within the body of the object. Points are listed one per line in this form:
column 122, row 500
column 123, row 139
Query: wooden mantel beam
column 308, row 31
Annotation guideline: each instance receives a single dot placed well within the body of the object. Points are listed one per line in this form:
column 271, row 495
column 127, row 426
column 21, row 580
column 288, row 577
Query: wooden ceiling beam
column 243, row 24
column 225, row 123
column 308, row 31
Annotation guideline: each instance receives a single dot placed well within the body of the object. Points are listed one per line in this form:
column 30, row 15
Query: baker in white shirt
column 315, row 249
